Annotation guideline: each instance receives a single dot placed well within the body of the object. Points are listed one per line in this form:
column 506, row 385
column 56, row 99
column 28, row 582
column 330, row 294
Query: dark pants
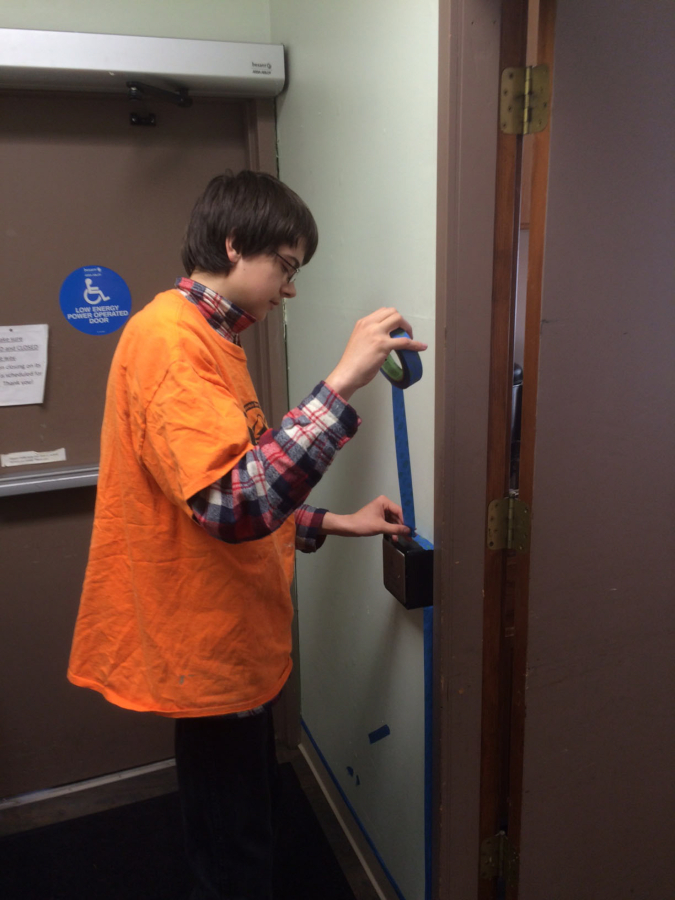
column 228, row 784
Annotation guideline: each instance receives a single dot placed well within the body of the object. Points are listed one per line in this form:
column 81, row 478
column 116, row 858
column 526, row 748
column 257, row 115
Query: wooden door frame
column 498, row 595
column 467, row 152
column 521, row 571
column 506, row 587
column 470, row 802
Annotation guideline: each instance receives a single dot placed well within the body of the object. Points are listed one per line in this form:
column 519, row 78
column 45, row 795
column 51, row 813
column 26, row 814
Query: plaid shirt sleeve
column 308, row 520
column 272, row 480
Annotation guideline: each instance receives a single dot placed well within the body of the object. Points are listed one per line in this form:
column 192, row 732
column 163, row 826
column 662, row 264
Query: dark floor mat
column 135, row 852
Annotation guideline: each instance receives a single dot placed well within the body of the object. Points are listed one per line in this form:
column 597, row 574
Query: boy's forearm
column 340, row 385
column 380, row 516
column 335, row 524
column 274, row 478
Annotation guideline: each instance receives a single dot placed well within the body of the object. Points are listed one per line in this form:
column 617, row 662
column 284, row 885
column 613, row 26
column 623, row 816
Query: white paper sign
column 23, row 364
column 32, row 457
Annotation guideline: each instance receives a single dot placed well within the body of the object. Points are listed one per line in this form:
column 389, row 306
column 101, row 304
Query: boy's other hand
column 380, row 516
column 367, row 349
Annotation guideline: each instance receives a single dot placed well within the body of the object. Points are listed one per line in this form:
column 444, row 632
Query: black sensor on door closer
column 408, row 571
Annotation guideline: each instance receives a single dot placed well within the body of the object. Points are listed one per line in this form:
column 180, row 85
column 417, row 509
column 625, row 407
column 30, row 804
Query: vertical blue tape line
column 403, row 457
column 408, row 506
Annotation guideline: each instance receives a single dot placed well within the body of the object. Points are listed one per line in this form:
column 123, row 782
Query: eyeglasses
column 290, row 277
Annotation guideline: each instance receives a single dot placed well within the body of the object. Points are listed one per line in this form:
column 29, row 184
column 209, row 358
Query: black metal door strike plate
column 408, row 572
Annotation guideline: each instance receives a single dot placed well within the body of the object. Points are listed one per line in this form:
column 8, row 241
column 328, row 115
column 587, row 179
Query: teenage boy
column 186, row 608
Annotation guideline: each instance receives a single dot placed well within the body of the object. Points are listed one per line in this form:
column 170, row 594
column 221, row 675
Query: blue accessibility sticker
column 95, row 300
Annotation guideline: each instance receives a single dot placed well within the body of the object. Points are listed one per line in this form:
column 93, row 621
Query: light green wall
column 218, row 20
column 357, row 140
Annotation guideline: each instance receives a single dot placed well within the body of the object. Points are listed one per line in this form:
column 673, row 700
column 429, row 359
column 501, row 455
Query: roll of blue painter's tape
column 410, row 369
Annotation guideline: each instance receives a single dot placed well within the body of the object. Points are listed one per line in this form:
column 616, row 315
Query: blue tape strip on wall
column 401, row 377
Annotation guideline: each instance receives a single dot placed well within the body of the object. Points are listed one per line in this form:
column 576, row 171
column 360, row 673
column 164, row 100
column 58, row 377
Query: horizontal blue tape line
column 378, row 734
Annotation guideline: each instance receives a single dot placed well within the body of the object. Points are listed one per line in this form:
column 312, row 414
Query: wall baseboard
column 87, row 784
column 69, row 801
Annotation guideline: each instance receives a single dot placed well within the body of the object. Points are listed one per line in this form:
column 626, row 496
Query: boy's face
column 258, row 284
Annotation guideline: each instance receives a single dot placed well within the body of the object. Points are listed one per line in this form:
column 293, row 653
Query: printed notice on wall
column 23, row 364
column 32, row 457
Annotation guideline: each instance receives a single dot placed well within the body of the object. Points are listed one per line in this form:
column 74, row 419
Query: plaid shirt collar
column 226, row 318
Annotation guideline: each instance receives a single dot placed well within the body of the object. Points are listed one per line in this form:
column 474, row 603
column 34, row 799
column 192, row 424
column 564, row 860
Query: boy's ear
column 232, row 253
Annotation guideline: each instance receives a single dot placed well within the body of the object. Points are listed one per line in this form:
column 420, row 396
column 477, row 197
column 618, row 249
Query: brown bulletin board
column 81, row 186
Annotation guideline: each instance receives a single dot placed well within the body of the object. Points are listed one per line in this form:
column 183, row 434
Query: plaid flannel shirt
column 272, row 480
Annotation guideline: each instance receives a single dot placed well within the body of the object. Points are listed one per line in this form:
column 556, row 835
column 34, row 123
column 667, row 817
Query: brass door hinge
column 499, row 859
column 508, row 525
column 524, row 100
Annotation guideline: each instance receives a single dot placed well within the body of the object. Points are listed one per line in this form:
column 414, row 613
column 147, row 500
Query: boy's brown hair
column 258, row 211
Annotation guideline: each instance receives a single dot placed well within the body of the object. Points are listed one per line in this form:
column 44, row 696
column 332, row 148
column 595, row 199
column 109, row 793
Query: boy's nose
column 288, row 290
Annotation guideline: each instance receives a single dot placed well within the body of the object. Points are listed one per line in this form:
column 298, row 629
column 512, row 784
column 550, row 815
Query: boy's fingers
column 381, row 315
column 385, row 312
column 397, row 513
column 395, row 529
column 406, row 326
column 396, row 320
column 407, row 344
column 392, row 512
column 390, row 318
column 403, row 343
column 393, row 517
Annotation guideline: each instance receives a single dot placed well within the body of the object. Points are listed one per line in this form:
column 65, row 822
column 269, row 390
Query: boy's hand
column 380, row 516
column 367, row 349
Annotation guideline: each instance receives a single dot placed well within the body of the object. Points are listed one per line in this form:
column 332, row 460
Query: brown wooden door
column 81, row 187
column 598, row 795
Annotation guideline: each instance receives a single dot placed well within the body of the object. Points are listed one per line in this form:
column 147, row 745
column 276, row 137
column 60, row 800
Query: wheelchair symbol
column 93, row 291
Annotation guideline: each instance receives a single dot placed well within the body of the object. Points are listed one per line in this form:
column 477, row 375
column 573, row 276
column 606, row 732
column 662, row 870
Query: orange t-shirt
column 172, row 620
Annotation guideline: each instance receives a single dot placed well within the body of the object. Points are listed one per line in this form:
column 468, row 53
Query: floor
column 27, row 817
